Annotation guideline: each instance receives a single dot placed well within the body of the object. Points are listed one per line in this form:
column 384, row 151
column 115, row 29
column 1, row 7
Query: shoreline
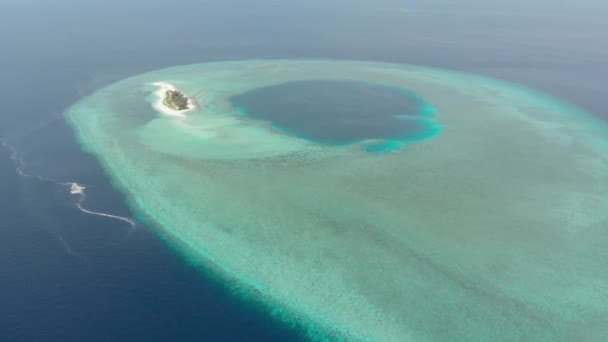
column 159, row 105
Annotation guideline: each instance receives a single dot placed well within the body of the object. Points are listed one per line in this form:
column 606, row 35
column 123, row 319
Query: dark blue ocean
column 69, row 276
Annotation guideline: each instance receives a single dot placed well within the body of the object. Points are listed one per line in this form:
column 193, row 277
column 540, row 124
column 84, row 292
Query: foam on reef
column 494, row 229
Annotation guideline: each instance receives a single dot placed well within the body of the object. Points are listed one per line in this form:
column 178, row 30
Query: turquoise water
column 336, row 112
column 493, row 229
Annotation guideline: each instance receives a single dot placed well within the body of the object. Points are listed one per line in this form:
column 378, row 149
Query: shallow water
column 459, row 236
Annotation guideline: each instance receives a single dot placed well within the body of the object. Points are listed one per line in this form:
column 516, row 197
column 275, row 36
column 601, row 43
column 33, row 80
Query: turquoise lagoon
column 372, row 201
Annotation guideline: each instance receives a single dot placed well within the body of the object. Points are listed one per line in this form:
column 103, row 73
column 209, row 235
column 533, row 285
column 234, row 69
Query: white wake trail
column 74, row 188
column 78, row 189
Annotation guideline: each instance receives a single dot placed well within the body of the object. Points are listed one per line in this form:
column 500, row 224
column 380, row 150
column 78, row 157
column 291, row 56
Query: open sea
column 68, row 275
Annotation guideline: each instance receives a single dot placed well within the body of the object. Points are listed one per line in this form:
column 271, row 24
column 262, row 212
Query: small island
column 176, row 100
column 171, row 101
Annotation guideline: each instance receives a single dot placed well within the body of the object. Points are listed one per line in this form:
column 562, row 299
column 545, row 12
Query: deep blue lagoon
column 340, row 112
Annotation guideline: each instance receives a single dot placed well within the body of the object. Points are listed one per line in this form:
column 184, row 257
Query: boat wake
column 76, row 189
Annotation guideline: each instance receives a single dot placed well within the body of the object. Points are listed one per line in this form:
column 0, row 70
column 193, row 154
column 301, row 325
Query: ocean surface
column 71, row 276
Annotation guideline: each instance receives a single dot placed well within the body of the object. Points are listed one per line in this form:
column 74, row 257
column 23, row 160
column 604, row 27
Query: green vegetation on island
column 175, row 100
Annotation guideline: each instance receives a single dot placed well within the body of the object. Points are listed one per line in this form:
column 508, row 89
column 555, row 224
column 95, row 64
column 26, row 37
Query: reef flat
column 491, row 225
